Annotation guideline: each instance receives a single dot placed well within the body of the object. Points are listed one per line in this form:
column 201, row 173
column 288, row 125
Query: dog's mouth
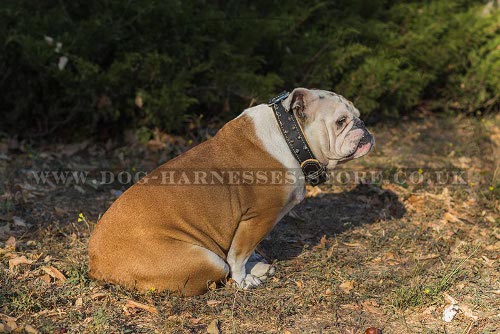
column 364, row 146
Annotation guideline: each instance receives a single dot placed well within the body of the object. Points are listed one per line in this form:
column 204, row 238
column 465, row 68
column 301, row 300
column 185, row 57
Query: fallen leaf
column 488, row 262
column 427, row 257
column 353, row 244
column 390, row 258
column 372, row 306
column 4, row 231
column 313, row 191
column 18, row 221
column 11, row 242
column 467, row 311
column 60, row 211
column 330, row 251
column 98, row 296
column 6, row 318
column 79, row 302
column 416, row 201
column 450, row 299
column 448, row 217
column 213, row 328
column 322, row 243
column 450, row 312
column 350, row 306
column 213, row 302
column 299, row 284
column 45, row 278
column 8, row 324
column 347, row 286
column 54, row 273
column 30, row 329
column 328, row 292
column 212, row 286
column 17, row 261
column 71, row 149
column 136, row 305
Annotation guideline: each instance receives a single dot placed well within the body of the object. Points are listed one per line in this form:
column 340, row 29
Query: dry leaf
column 413, row 199
column 372, row 306
column 353, row 244
column 322, row 243
column 427, row 257
column 313, row 191
column 450, row 312
column 134, row 305
column 79, row 302
column 213, row 328
column 390, row 258
column 18, row 221
column 299, row 284
column 448, row 217
column 8, row 324
column 60, row 211
column 330, row 251
column 98, row 296
column 350, row 307
column 45, row 278
column 6, row 318
column 8, row 327
column 212, row 286
column 17, row 261
column 54, row 273
column 328, row 292
column 488, row 262
column 11, row 242
column 347, row 286
column 468, row 312
column 30, row 329
column 213, row 302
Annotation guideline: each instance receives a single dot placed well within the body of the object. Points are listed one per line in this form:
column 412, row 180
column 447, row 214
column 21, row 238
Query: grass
column 401, row 247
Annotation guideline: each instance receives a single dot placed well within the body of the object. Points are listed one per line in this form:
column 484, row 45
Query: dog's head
column 331, row 124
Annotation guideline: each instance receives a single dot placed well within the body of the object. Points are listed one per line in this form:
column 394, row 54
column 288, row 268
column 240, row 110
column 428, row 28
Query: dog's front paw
column 262, row 270
column 250, row 281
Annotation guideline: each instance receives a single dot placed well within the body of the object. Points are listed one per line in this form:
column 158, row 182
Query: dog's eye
column 341, row 121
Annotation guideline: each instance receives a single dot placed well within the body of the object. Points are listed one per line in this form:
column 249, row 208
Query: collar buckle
column 278, row 98
column 315, row 172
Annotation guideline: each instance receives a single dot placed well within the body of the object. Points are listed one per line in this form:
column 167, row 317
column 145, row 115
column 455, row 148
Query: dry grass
column 349, row 258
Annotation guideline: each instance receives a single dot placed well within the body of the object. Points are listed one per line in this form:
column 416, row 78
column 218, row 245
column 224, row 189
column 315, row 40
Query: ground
column 389, row 255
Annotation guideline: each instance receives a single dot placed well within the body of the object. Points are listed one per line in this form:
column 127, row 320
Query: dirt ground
column 391, row 255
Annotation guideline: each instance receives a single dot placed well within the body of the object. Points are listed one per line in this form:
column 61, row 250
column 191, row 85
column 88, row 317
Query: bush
column 74, row 69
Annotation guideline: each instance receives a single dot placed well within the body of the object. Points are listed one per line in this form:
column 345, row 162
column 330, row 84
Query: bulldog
column 182, row 235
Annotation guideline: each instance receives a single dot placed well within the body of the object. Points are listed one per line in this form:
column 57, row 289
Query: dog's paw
column 262, row 270
column 251, row 281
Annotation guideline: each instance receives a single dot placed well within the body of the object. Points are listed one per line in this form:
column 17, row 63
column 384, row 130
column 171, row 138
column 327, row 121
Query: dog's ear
column 298, row 101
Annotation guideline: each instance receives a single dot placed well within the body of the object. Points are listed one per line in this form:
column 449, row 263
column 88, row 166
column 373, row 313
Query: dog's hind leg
column 172, row 265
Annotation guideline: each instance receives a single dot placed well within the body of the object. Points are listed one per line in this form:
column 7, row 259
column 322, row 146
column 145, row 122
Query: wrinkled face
column 332, row 126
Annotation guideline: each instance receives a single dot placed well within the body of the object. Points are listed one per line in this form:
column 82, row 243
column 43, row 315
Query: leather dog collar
column 315, row 173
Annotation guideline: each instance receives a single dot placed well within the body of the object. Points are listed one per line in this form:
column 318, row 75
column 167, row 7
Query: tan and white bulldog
column 177, row 236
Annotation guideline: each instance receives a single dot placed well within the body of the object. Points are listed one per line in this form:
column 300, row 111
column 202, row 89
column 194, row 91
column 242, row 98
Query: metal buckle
column 278, row 98
column 314, row 172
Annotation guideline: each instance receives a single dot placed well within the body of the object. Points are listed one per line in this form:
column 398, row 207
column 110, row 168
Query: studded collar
column 315, row 172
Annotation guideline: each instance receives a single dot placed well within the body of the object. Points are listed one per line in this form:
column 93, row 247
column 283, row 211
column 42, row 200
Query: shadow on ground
column 330, row 214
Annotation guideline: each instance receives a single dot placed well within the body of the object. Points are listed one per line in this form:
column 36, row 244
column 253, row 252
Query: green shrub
column 141, row 63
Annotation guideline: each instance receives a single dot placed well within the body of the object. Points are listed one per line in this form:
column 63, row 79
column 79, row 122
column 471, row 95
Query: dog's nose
column 365, row 139
column 358, row 124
